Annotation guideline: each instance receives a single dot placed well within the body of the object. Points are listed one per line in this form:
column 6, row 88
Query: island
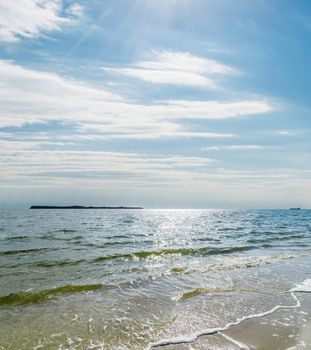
column 78, row 207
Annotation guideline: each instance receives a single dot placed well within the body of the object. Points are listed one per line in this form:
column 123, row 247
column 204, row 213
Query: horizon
column 171, row 103
column 137, row 207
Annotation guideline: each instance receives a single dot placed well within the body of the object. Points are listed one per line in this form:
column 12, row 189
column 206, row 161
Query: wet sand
column 284, row 329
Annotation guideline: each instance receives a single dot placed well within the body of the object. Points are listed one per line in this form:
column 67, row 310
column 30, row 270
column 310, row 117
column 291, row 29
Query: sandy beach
column 288, row 329
column 283, row 329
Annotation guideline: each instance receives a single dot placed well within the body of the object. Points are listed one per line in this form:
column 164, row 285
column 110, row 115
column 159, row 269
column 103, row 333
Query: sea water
column 130, row 279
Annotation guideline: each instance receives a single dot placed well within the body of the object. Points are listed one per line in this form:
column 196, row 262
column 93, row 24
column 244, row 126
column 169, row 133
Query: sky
column 156, row 103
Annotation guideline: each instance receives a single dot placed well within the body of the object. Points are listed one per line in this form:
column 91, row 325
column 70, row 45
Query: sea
column 142, row 279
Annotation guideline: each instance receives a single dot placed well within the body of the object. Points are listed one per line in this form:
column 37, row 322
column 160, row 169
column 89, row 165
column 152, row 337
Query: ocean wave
column 25, row 251
column 252, row 261
column 59, row 263
column 16, row 238
column 110, row 244
column 204, row 251
column 236, row 263
column 275, row 238
column 121, row 236
column 33, row 298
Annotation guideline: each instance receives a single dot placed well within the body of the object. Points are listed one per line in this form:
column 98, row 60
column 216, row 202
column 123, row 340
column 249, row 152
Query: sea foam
column 305, row 287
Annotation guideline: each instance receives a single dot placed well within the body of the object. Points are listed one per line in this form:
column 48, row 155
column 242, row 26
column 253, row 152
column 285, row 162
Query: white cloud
column 75, row 10
column 176, row 68
column 141, row 131
column 104, row 170
column 183, row 109
column 51, row 166
column 27, row 165
column 232, row 147
column 212, row 148
column 7, row 146
column 286, row 133
column 29, row 96
column 172, row 77
column 29, row 18
column 247, row 147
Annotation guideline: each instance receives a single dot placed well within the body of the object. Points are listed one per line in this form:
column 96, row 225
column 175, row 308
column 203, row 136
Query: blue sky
column 159, row 103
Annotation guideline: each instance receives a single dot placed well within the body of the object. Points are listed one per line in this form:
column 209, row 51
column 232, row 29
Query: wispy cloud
column 176, row 68
column 75, row 9
column 233, row 147
column 140, row 131
column 91, row 165
column 29, row 18
column 286, row 133
column 105, row 169
column 185, row 109
column 30, row 96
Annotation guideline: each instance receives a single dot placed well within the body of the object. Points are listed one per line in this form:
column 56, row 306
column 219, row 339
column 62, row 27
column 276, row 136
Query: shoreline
column 285, row 327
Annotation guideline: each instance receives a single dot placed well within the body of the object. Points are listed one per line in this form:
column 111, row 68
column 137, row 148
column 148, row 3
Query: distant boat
column 295, row 208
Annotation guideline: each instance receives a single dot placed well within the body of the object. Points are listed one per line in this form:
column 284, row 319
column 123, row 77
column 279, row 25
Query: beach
column 286, row 328
column 147, row 279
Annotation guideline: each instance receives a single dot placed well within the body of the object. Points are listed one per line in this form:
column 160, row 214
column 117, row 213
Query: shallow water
column 122, row 279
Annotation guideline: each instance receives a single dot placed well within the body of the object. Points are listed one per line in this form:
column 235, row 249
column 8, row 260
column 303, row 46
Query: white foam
column 252, row 261
column 90, row 325
column 304, row 287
